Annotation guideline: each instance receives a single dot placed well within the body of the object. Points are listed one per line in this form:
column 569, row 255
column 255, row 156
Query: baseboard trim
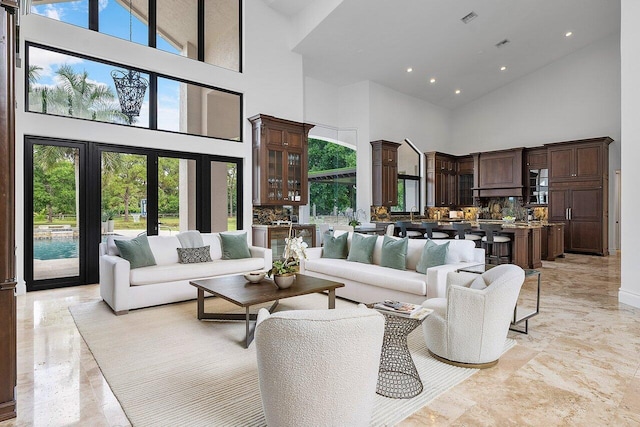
column 629, row 298
column 8, row 410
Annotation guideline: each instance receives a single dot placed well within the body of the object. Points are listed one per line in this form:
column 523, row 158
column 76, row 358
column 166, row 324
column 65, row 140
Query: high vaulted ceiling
column 378, row 40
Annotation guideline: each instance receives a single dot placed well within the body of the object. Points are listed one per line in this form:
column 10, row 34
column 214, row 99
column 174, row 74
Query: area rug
column 166, row 368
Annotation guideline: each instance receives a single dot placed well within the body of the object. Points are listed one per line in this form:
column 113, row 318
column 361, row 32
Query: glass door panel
column 224, row 196
column 56, row 211
column 176, row 195
column 123, row 194
column 294, row 177
column 275, row 174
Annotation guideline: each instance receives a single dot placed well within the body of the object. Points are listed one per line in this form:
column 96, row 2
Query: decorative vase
column 283, row 281
column 110, row 225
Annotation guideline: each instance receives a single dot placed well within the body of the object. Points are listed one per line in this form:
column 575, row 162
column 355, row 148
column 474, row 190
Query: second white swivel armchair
column 469, row 327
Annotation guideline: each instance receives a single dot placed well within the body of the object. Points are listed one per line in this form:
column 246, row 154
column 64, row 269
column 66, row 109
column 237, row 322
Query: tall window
column 64, row 84
column 408, row 179
column 332, row 178
column 205, row 30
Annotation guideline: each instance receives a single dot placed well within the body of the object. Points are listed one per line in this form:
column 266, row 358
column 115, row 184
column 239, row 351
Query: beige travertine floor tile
column 578, row 366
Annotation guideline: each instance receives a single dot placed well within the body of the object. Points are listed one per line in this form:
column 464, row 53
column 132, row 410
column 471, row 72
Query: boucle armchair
column 318, row 367
column 469, row 327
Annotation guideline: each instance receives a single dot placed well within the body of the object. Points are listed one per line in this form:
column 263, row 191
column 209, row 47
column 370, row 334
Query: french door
column 80, row 193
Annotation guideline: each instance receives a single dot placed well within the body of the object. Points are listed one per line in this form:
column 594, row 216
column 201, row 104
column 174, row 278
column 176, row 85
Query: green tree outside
column 323, row 156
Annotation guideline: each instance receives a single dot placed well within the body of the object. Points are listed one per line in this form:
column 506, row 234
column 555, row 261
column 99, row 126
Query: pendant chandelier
column 130, row 86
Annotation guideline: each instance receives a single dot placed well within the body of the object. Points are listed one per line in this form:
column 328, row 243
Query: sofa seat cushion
column 175, row 272
column 375, row 275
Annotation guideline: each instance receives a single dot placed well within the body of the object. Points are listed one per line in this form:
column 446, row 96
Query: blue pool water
column 44, row 249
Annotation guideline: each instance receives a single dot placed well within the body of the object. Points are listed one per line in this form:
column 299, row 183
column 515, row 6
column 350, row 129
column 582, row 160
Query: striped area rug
column 166, row 368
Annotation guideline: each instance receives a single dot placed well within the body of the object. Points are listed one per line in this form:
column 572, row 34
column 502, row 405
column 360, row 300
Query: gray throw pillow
column 335, row 247
column 136, row 251
column 362, row 248
column 194, row 255
column 394, row 253
column 234, row 246
column 433, row 255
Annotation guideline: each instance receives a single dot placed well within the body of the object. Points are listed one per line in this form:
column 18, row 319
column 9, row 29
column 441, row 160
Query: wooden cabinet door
column 294, row 140
column 585, row 220
column 588, row 161
column 558, row 211
column 451, row 189
column 561, row 163
column 275, row 136
column 390, row 184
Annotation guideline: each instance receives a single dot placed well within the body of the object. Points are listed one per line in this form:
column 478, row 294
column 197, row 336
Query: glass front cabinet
column 279, row 161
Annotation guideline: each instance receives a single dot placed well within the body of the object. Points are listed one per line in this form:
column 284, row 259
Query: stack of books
column 403, row 309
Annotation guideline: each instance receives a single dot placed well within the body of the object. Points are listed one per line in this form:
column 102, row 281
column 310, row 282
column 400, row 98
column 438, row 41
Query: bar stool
column 401, row 226
column 461, row 233
column 430, row 234
column 493, row 243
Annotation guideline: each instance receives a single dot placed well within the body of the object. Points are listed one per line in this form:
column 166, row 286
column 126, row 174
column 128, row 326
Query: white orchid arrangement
column 294, row 250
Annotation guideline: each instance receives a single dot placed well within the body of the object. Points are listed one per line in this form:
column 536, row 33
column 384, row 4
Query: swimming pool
column 45, row 249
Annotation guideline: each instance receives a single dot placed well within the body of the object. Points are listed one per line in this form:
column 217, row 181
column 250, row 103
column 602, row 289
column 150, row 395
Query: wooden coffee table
column 238, row 290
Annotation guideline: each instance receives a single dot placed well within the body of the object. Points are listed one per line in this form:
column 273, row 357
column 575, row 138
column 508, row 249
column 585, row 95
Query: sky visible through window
column 114, row 20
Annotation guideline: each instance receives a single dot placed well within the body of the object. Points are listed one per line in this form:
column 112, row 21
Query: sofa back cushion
column 164, row 249
column 213, row 241
column 234, row 245
column 432, row 255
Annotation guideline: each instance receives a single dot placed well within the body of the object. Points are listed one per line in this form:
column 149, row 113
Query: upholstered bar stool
column 494, row 243
column 401, row 226
column 463, row 231
column 430, row 234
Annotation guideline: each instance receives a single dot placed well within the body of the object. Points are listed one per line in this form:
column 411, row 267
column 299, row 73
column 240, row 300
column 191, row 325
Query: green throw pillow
column 335, row 247
column 234, row 246
column 394, row 253
column 136, row 251
column 433, row 254
column 362, row 248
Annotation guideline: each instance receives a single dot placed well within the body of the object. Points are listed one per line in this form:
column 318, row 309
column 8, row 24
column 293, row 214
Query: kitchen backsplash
column 265, row 215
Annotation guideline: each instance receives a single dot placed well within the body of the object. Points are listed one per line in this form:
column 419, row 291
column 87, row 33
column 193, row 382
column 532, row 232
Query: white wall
column 396, row 116
column 630, row 70
column 575, row 97
column 272, row 83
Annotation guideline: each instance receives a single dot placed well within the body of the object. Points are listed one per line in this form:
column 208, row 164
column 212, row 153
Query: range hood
column 498, row 173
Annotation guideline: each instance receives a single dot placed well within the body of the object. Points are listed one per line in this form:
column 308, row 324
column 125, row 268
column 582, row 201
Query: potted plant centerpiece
column 284, row 270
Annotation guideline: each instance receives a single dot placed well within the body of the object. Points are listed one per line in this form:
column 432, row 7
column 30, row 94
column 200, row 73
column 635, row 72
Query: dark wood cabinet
column 384, row 173
column 464, row 181
column 552, row 241
column 498, row 173
column 272, row 236
column 8, row 12
column 578, row 193
column 441, row 174
column 280, row 167
column 581, row 161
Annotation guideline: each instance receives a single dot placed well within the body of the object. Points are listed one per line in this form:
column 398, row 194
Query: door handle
column 570, row 213
column 566, row 214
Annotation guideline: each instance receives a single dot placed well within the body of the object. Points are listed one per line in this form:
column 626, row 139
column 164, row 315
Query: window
column 408, row 178
column 332, row 178
column 208, row 31
column 64, row 84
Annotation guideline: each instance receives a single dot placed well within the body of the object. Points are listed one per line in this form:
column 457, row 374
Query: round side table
column 398, row 376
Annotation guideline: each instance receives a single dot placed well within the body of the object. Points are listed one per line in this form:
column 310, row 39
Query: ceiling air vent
column 470, row 17
column 502, row 43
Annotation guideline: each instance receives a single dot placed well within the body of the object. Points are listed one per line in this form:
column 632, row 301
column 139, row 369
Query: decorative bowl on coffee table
column 255, row 276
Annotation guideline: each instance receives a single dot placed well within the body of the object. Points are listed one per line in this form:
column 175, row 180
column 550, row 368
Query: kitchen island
column 526, row 244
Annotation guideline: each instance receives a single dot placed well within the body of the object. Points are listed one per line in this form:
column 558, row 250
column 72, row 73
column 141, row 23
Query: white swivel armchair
column 318, row 367
column 469, row 327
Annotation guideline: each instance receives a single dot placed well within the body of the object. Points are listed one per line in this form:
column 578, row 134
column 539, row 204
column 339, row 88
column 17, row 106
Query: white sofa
column 125, row 289
column 371, row 282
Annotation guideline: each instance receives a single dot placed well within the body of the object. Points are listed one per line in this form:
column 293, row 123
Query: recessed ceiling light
column 568, row 34
column 503, row 68
column 409, row 70
column 458, row 91
column 469, row 17
column 432, row 80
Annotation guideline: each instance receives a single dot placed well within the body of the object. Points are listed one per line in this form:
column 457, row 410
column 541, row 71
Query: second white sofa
column 371, row 282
